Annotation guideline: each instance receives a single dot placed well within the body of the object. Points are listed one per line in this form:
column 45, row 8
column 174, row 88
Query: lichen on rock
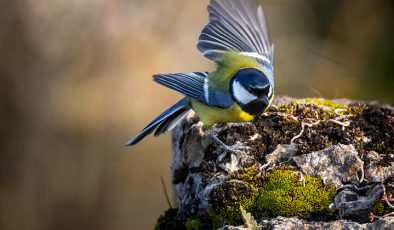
column 309, row 159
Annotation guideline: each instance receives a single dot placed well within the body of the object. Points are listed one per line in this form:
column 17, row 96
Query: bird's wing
column 195, row 85
column 165, row 121
column 236, row 26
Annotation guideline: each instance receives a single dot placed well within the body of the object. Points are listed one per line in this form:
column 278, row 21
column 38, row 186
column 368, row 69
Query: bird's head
column 251, row 90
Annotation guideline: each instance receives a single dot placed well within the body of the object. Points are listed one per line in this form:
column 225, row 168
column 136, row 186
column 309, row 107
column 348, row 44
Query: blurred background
column 75, row 85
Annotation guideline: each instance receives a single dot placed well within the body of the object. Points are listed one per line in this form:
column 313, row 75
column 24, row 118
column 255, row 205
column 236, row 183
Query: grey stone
column 336, row 165
column 233, row 161
column 204, row 194
column 227, row 227
column 189, row 196
column 188, row 144
column 356, row 207
column 282, row 153
column 282, row 223
column 378, row 167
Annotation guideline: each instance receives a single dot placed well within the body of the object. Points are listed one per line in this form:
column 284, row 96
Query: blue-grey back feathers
column 195, row 85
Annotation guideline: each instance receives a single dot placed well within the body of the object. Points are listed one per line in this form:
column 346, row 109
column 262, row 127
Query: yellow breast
column 210, row 116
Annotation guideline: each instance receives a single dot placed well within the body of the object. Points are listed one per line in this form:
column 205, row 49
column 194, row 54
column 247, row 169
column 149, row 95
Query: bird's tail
column 165, row 121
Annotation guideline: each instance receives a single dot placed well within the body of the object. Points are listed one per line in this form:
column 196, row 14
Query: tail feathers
column 164, row 122
column 169, row 123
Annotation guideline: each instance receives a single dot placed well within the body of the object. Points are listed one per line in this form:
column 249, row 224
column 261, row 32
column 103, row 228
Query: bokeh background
column 75, row 85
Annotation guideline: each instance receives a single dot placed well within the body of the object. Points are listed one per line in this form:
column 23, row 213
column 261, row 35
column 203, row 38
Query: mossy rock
column 284, row 194
column 193, row 224
column 168, row 221
column 218, row 195
column 380, row 207
column 228, row 199
column 281, row 194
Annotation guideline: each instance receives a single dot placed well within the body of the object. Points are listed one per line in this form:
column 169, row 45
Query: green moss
column 217, row 220
column 240, row 192
column 251, row 175
column 321, row 102
column 284, row 195
column 356, row 109
column 316, row 108
column 193, row 224
column 230, row 196
column 380, row 207
column 278, row 194
column 247, row 174
column 169, row 221
column 287, row 108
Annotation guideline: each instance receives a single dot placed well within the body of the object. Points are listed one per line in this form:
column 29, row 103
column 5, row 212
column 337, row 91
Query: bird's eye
column 266, row 90
column 255, row 91
column 259, row 91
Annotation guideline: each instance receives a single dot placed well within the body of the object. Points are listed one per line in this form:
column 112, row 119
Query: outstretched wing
column 237, row 26
column 195, row 86
column 164, row 122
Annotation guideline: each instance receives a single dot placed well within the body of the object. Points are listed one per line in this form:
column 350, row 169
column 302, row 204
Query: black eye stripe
column 259, row 91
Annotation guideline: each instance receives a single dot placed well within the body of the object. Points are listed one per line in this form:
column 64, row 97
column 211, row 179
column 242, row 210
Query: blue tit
column 241, row 88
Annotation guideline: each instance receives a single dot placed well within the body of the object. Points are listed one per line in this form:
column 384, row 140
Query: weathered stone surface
column 230, row 164
column 233, row 161
column 189, row 153
column 379, row 167
column 338, row 164
column 282, row 223
column 351, row 205
column 227, row 227
column 282, row 153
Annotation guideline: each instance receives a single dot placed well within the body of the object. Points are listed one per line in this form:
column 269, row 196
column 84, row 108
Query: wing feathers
column 196, row 86
column 161, row 123
column 235, row 25
column 189, row 84
column 170, row 122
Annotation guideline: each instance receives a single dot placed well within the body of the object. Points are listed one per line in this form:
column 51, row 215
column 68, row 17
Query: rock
column 189, row 153
column 229, row 161
column 188, row 205
column 282, row 223
column 264, row 165
column 228, row 227
column 351, row 205
column 282, row 153
column 379, row 167
column 337, row 165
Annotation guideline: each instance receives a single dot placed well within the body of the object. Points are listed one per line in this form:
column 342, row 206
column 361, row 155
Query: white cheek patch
column 241, row 94
column 270, row 92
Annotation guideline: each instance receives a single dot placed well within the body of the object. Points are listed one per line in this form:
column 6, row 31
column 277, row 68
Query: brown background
column 75, row 85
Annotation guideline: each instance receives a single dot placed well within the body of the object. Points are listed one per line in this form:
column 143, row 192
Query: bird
column 242, row 86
